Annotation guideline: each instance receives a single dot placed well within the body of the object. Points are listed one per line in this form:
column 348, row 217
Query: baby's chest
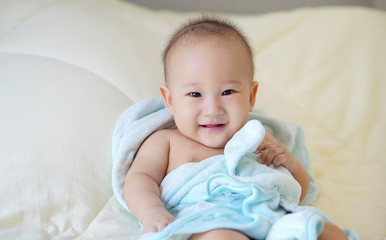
column 186, row 151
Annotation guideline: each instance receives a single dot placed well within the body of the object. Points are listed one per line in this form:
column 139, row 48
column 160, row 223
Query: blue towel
column 231, row 190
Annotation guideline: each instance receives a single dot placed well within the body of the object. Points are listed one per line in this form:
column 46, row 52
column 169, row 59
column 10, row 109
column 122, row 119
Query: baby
column 209, row 91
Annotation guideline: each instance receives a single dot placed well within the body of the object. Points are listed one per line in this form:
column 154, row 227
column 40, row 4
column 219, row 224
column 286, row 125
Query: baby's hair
column 206, row 26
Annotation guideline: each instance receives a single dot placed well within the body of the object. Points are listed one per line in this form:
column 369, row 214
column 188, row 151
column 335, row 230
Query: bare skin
column 223, row 234
column 331, row 231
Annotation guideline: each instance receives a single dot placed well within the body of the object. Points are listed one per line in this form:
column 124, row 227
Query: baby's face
column 210, row 90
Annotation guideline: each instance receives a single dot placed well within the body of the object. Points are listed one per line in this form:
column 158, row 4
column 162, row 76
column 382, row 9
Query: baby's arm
column 277, row 154
column 141, row 187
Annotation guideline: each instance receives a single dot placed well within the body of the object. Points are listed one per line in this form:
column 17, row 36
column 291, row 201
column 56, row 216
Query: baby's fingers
column 272, row 154
column 162, row 225
column 156, row 220
column 266, row 156
column 281, row 160
column 260, row 149
column 157, row 226
column 148, row 229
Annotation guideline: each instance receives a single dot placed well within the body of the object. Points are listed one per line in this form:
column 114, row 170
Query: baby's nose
column 213, row 107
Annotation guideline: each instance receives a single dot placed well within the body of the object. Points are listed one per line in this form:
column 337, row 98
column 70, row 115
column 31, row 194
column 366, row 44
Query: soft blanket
column 225, row 191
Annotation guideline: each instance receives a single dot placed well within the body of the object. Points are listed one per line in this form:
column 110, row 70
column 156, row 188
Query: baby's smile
column 213, row 127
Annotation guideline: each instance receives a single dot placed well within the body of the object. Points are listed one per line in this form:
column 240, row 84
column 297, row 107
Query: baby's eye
column 195, row 94
column 228, row 92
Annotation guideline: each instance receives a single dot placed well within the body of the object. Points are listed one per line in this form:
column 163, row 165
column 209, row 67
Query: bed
column 68, row 69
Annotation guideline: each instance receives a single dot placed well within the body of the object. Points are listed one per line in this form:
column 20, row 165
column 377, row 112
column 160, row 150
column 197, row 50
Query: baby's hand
column 272, row 152
column 156, row 219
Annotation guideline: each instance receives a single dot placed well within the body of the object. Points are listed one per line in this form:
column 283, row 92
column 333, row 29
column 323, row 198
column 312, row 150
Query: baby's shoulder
column 162, row 135
column 166, row 132
column 159, row 139
column 170, row 136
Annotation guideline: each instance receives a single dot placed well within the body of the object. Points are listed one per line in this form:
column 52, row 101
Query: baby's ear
column 167, row 97
column 252, row 97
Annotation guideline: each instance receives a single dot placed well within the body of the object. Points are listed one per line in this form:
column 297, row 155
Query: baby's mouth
column 212, row 126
